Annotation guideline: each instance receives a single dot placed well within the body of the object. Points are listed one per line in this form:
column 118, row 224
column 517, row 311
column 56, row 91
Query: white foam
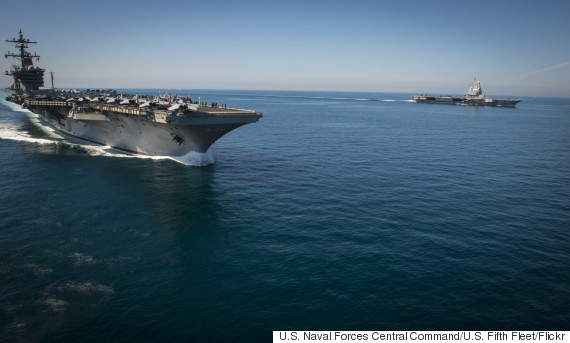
column 86, row 288
column 192, row 158
column 38, row 270
column 55, row 304
column 79, row 259
column 196, row 159
column 10, row 133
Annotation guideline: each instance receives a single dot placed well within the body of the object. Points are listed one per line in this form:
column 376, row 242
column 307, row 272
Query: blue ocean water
column 336, row 211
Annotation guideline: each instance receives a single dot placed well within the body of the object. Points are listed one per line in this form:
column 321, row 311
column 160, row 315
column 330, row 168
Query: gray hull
column 491, row 102
column 176, row 138
column 466, row 101
column 474, row 97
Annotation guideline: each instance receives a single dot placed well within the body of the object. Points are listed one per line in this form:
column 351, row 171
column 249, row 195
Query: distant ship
column 152, row 125
column 474, row 97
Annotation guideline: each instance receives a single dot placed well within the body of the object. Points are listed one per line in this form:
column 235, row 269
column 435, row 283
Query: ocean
column 336, row 211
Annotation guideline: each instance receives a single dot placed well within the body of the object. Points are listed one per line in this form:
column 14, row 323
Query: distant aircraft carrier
column 160, row 125
column 474, row 97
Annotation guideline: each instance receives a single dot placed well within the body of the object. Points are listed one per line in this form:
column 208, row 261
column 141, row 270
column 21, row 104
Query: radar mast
column 26, row 76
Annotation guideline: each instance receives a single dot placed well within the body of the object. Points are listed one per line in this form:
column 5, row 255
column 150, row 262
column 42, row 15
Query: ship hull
column 490, row 102
column 147, row 137
column 466, row 101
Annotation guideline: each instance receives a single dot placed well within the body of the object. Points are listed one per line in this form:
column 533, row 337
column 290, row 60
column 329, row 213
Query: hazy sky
column 513, row 47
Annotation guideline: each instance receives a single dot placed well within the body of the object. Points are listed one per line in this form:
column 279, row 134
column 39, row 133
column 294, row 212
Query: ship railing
column 48, row 103
column 118, row 109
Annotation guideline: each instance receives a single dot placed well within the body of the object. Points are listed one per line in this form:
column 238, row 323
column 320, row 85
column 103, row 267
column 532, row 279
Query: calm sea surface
column 336, row 211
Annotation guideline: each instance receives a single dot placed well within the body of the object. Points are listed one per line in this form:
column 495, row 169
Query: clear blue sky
column 513, row 47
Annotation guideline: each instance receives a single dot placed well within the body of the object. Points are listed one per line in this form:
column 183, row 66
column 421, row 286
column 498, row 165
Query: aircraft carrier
column 474, row 97
column 162, row 125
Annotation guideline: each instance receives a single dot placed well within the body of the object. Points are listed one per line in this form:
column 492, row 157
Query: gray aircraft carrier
column 152, row 125
column 474, row 97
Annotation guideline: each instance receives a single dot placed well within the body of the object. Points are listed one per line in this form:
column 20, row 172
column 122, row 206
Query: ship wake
column 11, row 130
column 20, row 136
column 193, row 159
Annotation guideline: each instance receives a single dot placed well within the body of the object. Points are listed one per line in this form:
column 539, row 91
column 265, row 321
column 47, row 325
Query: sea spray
column 197, row 159
column 9, row 133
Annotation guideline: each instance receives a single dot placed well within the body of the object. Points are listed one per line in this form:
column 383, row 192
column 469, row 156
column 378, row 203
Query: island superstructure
column 474, row 97
column 163, row 125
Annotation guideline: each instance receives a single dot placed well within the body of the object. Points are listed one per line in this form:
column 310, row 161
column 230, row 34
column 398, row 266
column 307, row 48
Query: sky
column 513, row 47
